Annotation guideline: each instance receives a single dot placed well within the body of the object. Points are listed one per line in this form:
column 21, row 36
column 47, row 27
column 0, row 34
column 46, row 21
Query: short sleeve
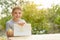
column 7, row 26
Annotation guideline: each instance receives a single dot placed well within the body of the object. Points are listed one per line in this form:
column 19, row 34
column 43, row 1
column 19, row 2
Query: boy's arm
column 22, row 23
column 9, row 31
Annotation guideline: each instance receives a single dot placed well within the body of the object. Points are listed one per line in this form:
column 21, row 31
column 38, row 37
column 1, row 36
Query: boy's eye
column 19, row 13
column 15, row 12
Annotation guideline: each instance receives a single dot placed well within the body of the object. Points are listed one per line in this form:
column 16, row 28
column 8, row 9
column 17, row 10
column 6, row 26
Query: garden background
column 44, row 20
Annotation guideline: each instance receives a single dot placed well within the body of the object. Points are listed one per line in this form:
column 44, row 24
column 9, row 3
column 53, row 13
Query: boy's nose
column 17, row 14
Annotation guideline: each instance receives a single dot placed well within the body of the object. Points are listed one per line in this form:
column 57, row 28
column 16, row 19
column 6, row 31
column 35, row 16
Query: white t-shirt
column 10, row 24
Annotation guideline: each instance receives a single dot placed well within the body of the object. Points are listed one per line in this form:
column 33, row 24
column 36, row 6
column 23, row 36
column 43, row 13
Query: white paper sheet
column 22, row 31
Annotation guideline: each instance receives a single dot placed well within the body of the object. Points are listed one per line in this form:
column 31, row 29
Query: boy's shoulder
column 9, row 21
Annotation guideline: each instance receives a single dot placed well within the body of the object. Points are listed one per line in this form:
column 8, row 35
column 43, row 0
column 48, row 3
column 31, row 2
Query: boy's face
column 17, row 14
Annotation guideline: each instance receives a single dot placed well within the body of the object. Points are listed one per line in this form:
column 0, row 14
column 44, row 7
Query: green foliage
column 4, row 20
column 37, row 18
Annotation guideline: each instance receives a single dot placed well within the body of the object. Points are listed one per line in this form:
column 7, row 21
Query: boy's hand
column 21, row 24
column 9, row 33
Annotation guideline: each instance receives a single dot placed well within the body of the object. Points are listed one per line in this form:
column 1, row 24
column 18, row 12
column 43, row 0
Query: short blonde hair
column 19, row 8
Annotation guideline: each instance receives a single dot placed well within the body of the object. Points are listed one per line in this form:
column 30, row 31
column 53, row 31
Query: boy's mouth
column 17, row 16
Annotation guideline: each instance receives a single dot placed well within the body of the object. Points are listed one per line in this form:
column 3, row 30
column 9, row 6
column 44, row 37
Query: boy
column 16, row 18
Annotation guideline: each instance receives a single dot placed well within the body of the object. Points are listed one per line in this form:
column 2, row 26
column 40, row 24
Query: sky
column 45, row 3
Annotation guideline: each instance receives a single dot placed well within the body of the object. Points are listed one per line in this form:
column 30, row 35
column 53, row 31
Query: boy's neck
column 16, row 20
